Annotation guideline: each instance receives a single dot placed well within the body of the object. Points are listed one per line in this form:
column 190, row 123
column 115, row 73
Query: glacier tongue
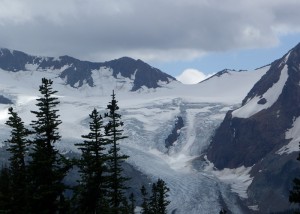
column 192, row 190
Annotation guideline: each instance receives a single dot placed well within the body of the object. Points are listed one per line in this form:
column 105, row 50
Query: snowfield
column 149, row 116
column 252, row 107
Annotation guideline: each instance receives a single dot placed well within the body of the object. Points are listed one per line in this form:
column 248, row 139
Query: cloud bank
column 192, row 76
column 166, row 30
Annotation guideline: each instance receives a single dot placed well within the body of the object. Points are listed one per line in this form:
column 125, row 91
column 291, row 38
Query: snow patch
column 252, row 107
column 4, row 114
column 133, row 75
column 293, row 134
column 31, row 67
column 254, row 207
column 239, row 178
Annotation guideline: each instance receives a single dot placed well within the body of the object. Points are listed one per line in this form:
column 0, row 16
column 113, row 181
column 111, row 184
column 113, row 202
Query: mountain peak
column 76, row 72
column 297, row 47
column 268, row 110
column 145, row 75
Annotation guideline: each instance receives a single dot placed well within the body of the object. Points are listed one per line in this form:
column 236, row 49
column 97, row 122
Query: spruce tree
column 223, row 211
column 47, row 167
column 5, row 191
column 294, row 196
column 145, row 203
column 114, row 133
column 132, row 203
column 163, row 202
column 93, row 171
column 17, row 146
column 158, row 201
column 153, row 204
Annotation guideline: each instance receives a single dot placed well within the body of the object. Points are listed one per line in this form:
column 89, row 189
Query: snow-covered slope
column 264, row 134
column 134, row 74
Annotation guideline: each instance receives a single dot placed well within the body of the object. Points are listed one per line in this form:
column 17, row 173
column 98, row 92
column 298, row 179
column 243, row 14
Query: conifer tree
column 223, row 211
column 163, row 202
column 145, row 206
column 114, row 133
column 294, row 196
column 92, row 188
column 158, row 201
column 17, row 146
column 132, row 203
column 5, row 191
column 48, row 167
column 153, row 204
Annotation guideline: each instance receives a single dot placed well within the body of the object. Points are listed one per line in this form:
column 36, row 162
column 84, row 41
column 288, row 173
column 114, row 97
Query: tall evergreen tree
column 48, row 167
column 163, row 202
column 5, row 191
column 114, row 133
column 294, row 196
column 17, row 146
column 153, row 203
column 145, row 203
column 223, row 211
column 158, row 201
column 92, row 188
column 132, row 203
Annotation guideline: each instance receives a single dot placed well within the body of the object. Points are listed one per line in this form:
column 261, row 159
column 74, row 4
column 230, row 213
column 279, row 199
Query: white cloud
column 157, row 30
column 192, row 76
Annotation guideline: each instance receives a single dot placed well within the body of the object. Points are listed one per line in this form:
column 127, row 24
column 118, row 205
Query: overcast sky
column 172, row 35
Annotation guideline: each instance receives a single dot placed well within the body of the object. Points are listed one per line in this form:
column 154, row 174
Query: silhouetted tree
column 223, row 211
column 48, row 167
column 158, row 200
column 114, row 134
column 294, row 196
column 5, row 191
column 132, row 203
column 153, row 203
column 92, row 190
column 163, row 202
column 145, row 203
column 17, row 146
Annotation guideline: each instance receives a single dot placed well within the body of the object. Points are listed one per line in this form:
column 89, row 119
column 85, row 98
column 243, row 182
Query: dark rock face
column 14, row 60
column 77, row 72
column 262, row 101
column 219, row 74
column 172, row 138
column 245, row 141
column 272, row 181
column 4, row 100
column 145, row 75
column 254, row 141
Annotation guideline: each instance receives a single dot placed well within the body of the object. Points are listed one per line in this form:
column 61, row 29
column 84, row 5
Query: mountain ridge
column 249, row 149
column 263, row 132
column 77, row 72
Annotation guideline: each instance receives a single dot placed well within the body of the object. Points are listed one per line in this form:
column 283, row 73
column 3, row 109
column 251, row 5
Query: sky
column 188, row 39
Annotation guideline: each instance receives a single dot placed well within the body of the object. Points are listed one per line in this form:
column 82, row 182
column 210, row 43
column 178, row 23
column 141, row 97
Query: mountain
column 176, row 132
column 76, row 73
column 264, row 134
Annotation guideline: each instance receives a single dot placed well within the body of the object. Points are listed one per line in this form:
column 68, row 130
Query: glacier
column 149, row 116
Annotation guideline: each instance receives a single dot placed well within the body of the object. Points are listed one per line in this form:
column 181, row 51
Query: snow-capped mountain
column 264, row 134
column 76, row 73
column 169, row 125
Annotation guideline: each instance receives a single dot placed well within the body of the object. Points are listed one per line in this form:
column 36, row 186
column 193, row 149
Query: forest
column 33, row 181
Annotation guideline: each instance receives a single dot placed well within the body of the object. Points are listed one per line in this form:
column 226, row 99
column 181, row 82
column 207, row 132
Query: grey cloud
column 151, row 29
